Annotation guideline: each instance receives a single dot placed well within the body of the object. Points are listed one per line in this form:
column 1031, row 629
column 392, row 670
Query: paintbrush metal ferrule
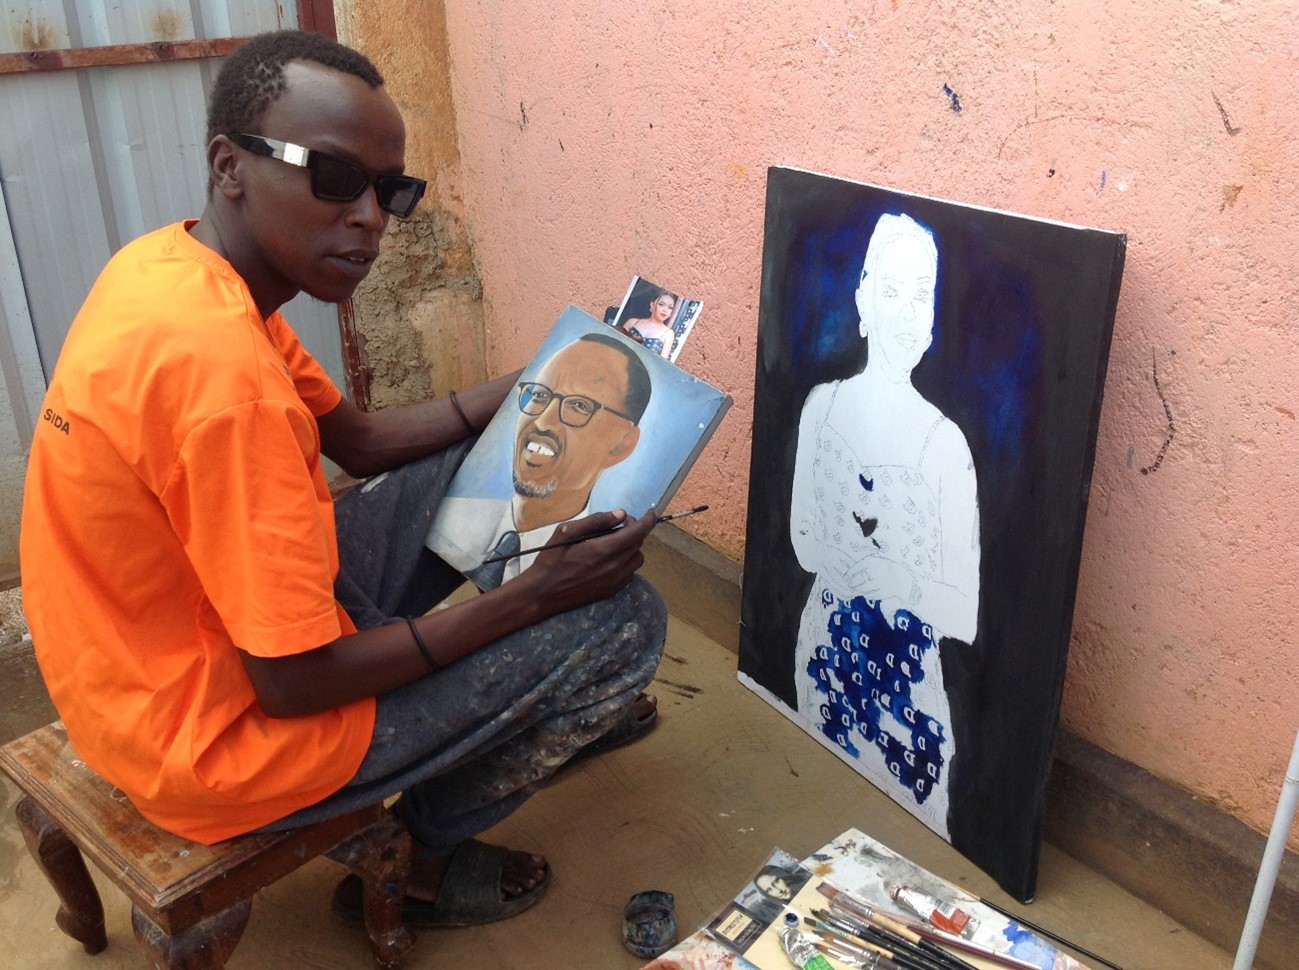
column 856, row 939
column 868, row 925
column 682, row 514
column 845, row 899
column 852, row 915
column 850, row 926
column 911, row 953
column 868, row 961
column 900, row 951
column 831, row 937
column 844, row 939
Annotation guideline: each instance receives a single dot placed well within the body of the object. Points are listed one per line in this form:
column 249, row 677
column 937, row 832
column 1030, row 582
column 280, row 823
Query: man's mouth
column 359, row 255
column 356, row 263
column 539, row 448
column 906, row 341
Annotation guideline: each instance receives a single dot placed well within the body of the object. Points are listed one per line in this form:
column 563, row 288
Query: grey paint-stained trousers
column 468, row 744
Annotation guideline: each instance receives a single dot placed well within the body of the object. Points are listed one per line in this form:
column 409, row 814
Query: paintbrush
column 594, row 535
column 930, row 935
column 891, row 944
column 851, row 938
column 854, row 956
column 892, row 934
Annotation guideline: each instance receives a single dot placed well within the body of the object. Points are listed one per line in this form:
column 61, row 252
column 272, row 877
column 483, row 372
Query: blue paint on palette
column 1025, row 946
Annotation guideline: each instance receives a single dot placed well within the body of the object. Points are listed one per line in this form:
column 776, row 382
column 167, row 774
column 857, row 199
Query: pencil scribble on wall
column 1168, row 413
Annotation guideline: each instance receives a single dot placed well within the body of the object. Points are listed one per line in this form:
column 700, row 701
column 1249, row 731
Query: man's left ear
column 624, row 446
column 223, row 166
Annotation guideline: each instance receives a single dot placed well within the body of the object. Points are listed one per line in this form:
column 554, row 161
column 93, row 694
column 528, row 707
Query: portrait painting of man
column 596, row 423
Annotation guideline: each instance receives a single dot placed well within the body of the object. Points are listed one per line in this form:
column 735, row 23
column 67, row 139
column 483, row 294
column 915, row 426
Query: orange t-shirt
column 176, row 507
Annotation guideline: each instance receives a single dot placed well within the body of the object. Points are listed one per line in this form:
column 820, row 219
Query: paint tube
column 946, row 916
column 801, row 951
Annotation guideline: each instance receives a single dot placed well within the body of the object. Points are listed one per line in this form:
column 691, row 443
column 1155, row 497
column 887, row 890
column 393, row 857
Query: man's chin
column 533, row 489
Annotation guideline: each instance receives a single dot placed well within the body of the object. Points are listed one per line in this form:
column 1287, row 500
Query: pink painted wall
column 601, row 140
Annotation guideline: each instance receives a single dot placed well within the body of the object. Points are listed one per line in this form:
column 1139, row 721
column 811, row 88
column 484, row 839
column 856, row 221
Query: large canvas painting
column 925, row 408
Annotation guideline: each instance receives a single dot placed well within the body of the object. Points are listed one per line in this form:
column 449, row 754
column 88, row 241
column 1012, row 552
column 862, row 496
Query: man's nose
column 549, row 416
column 365, row 211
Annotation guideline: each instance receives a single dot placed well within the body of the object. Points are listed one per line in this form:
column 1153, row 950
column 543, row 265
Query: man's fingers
column 590, row 525
column 642, row 526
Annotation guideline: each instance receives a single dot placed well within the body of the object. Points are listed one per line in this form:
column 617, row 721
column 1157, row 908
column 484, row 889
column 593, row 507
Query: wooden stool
column 190, row 902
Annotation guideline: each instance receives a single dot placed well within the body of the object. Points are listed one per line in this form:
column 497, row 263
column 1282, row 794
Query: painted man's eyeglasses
column 335, row 180
column 575, row 410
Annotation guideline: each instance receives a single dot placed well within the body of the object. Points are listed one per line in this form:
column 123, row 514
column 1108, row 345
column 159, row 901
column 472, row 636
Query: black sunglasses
column 335, row 180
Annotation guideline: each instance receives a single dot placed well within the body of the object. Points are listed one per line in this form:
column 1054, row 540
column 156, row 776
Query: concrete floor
column 694, row 808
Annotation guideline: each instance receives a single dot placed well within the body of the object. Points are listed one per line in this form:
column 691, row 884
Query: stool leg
column 81, row 914
column 206, row 945
column 380, row 855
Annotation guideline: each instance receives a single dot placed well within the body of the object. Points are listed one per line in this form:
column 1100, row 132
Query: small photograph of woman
column 655, row 317
column 655, row 329
column 772, row 889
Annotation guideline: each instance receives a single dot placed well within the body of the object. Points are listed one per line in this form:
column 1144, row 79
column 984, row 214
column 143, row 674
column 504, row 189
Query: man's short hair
column 639, row 385
column 252, row 77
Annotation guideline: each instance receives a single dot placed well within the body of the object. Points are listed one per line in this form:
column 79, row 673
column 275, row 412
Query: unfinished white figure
column 885, row 514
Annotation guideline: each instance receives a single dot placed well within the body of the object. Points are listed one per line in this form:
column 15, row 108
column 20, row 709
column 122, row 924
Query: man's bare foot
column 522, row 871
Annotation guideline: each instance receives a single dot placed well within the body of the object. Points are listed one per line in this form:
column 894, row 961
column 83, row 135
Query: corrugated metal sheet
column 90, row 158
column 55, row 24
column 22, row 385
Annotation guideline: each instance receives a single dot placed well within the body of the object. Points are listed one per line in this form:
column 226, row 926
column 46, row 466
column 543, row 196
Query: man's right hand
column 566, row 577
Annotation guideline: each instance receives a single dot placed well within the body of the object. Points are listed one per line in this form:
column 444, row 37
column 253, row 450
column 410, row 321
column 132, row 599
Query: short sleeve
column 320, row 394
column 250, row 505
